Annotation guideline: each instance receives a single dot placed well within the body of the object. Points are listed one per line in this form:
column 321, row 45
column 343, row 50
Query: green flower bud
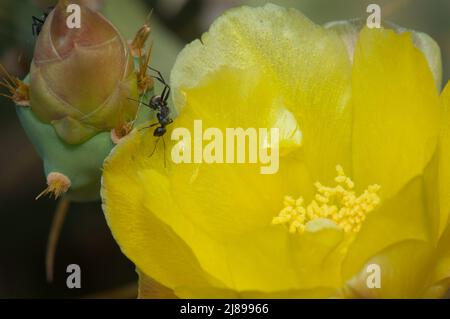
column 82, row 79
column 77, row 168
column 80, row 98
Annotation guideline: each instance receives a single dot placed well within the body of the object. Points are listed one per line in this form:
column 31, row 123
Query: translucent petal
column 150, row 243
column 151, row 289
column 403, row 217
column 444, row 159
column 396, row 111
column 300, row 66
column 403, row 270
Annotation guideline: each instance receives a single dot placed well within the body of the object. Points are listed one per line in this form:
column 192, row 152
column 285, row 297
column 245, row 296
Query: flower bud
column 82, row 80
column 80, row 98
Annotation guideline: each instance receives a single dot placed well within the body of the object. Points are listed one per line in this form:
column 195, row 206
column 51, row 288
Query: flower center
column 338, row 204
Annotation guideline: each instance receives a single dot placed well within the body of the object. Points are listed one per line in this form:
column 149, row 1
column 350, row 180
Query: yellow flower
column 363, row 175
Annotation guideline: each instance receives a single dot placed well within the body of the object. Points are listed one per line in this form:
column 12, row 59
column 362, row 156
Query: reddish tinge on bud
column 82, row 79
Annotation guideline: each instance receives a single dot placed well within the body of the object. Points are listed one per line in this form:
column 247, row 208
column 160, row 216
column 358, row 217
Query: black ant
column 39, row 22
column 159, row 103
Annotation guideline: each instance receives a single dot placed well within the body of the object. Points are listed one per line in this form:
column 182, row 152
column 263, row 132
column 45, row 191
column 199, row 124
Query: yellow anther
column 299, row 202
column 340, row 170
column 349, row 183
column 339, row 204
column 289, row 201
column 340, row 179
column 321, row 198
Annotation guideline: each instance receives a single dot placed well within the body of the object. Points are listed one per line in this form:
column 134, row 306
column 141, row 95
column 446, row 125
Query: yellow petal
column 444, row 159
column 317, row 255
column 261, row 261
column 150, row 243
column 403, row 217
column 442, row 271
column 432, row 53
column 281, row 58
column 227, row 227
column 195, row 292
column 403, row 269
column 229, row 80
column 349, row 31
column 203, row 230
column 151, row 289
column 272, row 263
column 274, row 260
column 227, row 223
column 395, row 111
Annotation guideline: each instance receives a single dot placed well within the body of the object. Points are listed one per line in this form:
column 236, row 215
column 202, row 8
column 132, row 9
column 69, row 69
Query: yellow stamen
column 339, row 204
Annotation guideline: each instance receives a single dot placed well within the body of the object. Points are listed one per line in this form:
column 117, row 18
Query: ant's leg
column 166, row 86
column 147, row 127
column 37, row 20
column 34, row 25
column 160, row 80
column 166, row 96
column 166, row 92
column 143, row 103
column 160, row 76
column 163, row 93
column 156, row 145
column 164, row 143
column 140, row 102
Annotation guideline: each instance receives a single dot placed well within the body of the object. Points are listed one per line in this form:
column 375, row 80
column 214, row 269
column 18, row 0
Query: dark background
column 86, row 239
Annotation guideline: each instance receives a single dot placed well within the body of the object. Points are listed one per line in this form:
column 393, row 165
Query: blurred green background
column 86, row 240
